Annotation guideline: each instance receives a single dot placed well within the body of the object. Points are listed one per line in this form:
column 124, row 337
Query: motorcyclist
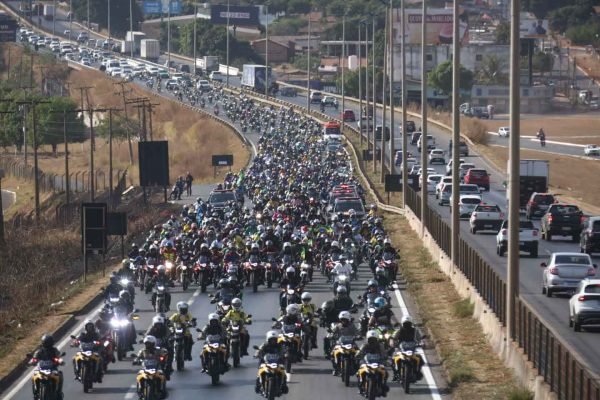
column 162, row 279
column 343, row 328
column 408, row 333
column 270, row 346
column 127, row 305
column 89, row 335
column 372, row 346
column 103, row 322
column 236, row 314
column 151, row 352
column 390, row 252
column 335, row 251
column 113, row 288
column 290, row 278
column 309, row 310
column 183, row 317
column 291, row 317
column 214, row 328
column 342, row 302
column 383, row 315
column 370, row 293
column 160, row 330
column 225, row 291
column 341, row 268
column 47, row 352
column 134, row 252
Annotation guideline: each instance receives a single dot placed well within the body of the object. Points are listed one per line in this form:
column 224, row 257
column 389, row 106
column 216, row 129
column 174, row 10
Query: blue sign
column 152, row 7
column 175, row 6
column 162, row 6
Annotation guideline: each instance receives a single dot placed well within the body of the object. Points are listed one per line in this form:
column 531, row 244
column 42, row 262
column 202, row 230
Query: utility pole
column 67, row 177
column 392, row 109
column 374, row 125
column 360, row 99
column 131, row 23
column 122, row 93
column 383, row 99
column 195, row 35
column 1, row 210
column 343, row 67
column 70, row 18
column 88, row 15
column 308, row 64
column 455, row 223
column 227, row 51
column 424, row 120
column 267, row 53
column 109, row 39
column 169, row 36
column 367, row 108
column 512, row 285
column 110, row 157
column 54, row 18
column 404, row 110
column 91, row 179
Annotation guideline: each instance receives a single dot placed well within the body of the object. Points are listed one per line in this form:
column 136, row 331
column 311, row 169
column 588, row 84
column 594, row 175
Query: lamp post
column 374, row 124
column 383, row 99
column 404, row 105
column 360, row 100
column 455, row 223
column 424, row 119
column 169, row 36
column 108, row 1
column 195, row 34
column 343, row 61
column 131, row 24
column 308, row 63
column 267, row 53
column 367, row 108
column 392, row 109
column 227, row 50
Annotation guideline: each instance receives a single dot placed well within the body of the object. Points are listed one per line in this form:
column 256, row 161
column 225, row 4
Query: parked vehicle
column 584, row 305
column 564, row 271
column 562, row 220
column 528, row 238
column 591, row 150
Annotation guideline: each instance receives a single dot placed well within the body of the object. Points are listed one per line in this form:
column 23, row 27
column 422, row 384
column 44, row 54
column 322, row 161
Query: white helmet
column 335, row 243
column 372, row 334
column 158, row 319
column 286, row 245
column 213, row 317
column 306, row 296
column 290, row 270
column 150, row 339
column 406, row 318
column 236, row 303
column 291, row 309
column 344, row 315
column 387, row 241
column 272, row 335
column 161, row 268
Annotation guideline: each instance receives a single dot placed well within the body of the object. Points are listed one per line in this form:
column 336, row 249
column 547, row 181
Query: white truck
column 126, row 46
column 534, row 177
column 150, row 49
column 486, row 217
column 136, row 38
column 49, row 11
column 528, row 238
column 208, row 64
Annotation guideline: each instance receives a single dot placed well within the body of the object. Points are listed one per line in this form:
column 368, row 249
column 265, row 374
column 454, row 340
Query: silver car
column 584, row 305
column 564, row 271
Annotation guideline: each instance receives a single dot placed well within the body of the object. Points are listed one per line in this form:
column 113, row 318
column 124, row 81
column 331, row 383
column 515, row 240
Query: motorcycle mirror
column 359, row 297
column 63, row 354
column 198, row 330
column 274, row 319
column 73, row 337
column 255, row 347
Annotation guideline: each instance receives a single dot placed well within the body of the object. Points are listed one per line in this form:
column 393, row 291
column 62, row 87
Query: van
column 316, row 97
column 216, row 76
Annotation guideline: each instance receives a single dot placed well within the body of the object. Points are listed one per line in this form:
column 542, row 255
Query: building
column 278, row 52
column 534, row 99
column 300, row 42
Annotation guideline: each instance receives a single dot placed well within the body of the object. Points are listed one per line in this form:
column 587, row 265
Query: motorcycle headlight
column 273, row 365
column 169, row 264
column 347, row 346
column 290, row 335
column 214, row 345
column 124, row 282
column 106, row 343
column 408, row 353
column 87, row 353
column 118, row 323
column 374, row 365
column 160, row 288
column 290, row 291
column 183, row 267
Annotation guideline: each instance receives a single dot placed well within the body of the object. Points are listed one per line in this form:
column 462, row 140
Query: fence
column 567, row 377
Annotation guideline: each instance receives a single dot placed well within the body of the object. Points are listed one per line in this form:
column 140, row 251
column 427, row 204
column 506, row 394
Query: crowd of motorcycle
column 283, row 239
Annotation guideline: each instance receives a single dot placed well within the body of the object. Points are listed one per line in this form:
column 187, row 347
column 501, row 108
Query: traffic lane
column 534, row 144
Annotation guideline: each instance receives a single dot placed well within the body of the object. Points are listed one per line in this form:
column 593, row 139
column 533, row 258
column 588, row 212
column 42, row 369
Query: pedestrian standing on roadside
column 188, row 183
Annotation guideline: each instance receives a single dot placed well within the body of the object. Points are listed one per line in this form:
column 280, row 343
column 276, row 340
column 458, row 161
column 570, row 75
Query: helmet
column 341, row 290
column 379, row 271
column 272, row 335
column 291, row 309
column 47, row 340
column 335, row 243
column 236, row 304
column 105, row 314
column 347, row 241
column 306, row 297
column 379, row 302
column 213, row 317
column 161, row 269
column 158, row 319
column 406, row 319
column 125, row 262
column 290, row 270
column 204, row 246
column 371, row 283
column 373, row 207
column 182, row 307
column 344, row 315
column 89, row 326
column 150, row 339
column 254, row 246
column 372, row 334
column 387, row 241
column 124, row 294
column 269, row 243
column 223, row 283
column 287, row 245
column 113, row 279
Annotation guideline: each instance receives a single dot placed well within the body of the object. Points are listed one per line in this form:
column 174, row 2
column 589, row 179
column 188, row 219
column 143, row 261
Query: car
column 343, row 205
column 410, row 161
column 67, row 32
column 463, row 148
column 528, row 238
column 288, row 91
column 86, row 61
column 348, row 116
column 591, row 150
column 440, row 185
column 562, row 219
column 216, row 76
column 171, row 84
column 82, row 37
column 594, row 103
column 184, row 68
column 584, row 304
column 504, row 131
column 415, row 169
column 329, row 101
column 466, row 205
column 116, row 72
column 449, row 166
column 479, row 177
column 477, row 112
column 437, row 156
column 315, row 96
column 446, row 192
column 410, row 126
column 430, row 143
column 414, row 138
column 365, row 123
column 379, row 131
column 463, row 169
column 203, row 85
column 590, row 235
column 537, row 204
column 564, row 271
column 432, row 182
column 486, row 217
column 218, row 199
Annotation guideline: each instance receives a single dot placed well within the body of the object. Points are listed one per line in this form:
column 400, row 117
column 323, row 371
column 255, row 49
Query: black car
column 562, row 220
column 538, row 203
column 414, row 139
column 184, row 68
column 590, row 236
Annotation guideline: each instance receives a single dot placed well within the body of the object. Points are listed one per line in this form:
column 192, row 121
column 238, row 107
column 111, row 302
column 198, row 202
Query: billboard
column 238, row 15
column 162, row 6
column 532, row 27
column 439, row 26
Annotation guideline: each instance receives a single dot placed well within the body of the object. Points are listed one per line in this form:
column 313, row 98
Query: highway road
column 555, row 310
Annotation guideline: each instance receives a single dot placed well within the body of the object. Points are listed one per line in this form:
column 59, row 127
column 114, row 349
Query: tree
column 119, row 14
column 503, row 33
column 543, row 62
column 50, row 122
column 120, row 126
column 441, row 77
column 301, row 62
column 491, row 72
column 584, row 34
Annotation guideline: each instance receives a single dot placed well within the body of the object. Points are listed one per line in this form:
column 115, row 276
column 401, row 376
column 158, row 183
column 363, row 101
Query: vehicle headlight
column 124, row 282
column 347, row 346
column 289, row 335
column 183, row 267
column 169, row 264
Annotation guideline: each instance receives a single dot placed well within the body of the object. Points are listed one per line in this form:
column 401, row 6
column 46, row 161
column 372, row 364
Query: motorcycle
column 202, row 273
column 235, row 340
column 344, row 353
column 171, row 270
column 214, row 350
column 149, row 271
column 184, row 278
column 372, row 371
column 289, row 296
column 120, row 331
column 87, row 362
column 305, row 273
column 46, row 378
column 254, row 271
column 290, row 337
column 406, row 364
column 148, row 378
column 365, row 318
column 341, row 279
column 129, row 285
column 271, row 374
column 160, row 305
column 271, row 271
column 388, row 263
column 178, row 338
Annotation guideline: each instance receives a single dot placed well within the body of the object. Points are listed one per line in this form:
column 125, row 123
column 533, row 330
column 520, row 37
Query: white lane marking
column 131, row 392
column 27, row 377
column 435, row 393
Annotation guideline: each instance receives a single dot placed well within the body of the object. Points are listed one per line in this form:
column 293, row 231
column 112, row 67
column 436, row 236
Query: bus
column 332, row 131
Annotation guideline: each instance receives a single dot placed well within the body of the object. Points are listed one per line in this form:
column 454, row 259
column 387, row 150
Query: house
column 278, row 52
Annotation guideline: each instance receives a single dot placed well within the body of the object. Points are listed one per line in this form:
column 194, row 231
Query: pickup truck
column 528, row 238
column 562, row 219
column 486, row 217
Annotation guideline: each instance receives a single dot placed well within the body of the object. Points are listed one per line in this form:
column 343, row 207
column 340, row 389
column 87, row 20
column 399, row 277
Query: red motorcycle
column 255, row 273
column 202, row 273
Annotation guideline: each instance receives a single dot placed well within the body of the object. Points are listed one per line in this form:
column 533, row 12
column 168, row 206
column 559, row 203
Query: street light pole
column 374, row 124
column 131, row 24
column 343, row 68
column 424, row 119
column 383, row 99
column 455, row 223
column 88, row 15
column 512, row 286
column 392, row 109
column 70, row 18
column 267, row 53
column 227, row 51
column 308, row 64
column 169, row 36
column 195, row 34
column 404, row 105
column 360, row 99
column 54, row 18
column 367, row 108
column 108, row 1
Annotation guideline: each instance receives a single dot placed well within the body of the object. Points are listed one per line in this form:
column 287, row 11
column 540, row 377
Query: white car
column 528, row 238
column 410, row 161
column 504, row 131
column 464, row 190
column 466, row 205
column 86, row 61
column 564, row 271
column 440, row 185
column 432, row 181
column 584, row 305
column 449, row 166
column 486, row 217
column 437, row 155
column 591, row 150
column 116, row 71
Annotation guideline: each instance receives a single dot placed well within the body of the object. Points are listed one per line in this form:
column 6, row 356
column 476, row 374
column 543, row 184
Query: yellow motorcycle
column 151, row 383
column 271, row 375
column 406, row 363
column 371, row 376
column 46, row 378
column 343, row 354
column 87, row 364
column 292, row 341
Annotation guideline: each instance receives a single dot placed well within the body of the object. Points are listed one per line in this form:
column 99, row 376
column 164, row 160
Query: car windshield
column 347, row 205
column 469, row 189
column 565, row 209
column 435, row 178
column 544, row 199
column 488, row 209
column 478, row 173
column 332, row 131
column 221, row 197
column 469, row 200
column 572, row 259
column 592, row 289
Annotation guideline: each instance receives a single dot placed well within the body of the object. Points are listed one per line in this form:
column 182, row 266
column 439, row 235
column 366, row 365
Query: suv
column 315, row 97
column 218, row 199
column 463, row 148
column 590, row 235
column 528, row 238
column 584, row 305
column 414, row 138
column 538, row 204
column 562, row 219
column 329, row 101
column 216, row 76
column 479, row 177
column 343, row 205
column 348, row 116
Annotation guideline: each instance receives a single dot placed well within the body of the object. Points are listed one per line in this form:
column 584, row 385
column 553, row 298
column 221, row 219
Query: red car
column 479, row 177
column 348, row 116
